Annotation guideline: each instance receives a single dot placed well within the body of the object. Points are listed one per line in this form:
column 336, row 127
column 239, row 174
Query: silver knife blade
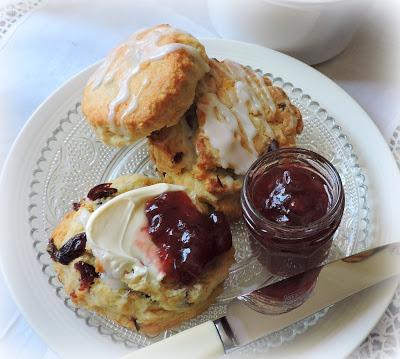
column 337, row 281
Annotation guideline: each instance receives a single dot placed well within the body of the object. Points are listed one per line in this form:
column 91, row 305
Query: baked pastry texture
column 139, row 302
column 237, row 115
column 145, row 84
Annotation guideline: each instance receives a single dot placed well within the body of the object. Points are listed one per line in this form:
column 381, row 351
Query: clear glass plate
column 73, row 161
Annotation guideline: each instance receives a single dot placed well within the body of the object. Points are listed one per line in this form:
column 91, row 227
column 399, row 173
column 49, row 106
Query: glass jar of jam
column 293, row 202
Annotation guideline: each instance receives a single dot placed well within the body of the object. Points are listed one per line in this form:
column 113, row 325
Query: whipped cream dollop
column 117, row 233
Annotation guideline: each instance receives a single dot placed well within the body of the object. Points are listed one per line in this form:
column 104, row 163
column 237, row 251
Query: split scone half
column 237, row 115
column 142, row 253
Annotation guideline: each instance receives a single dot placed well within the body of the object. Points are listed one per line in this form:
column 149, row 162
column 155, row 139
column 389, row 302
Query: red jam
column 291, row 289
column 291, row 195
column 292, row 202
column 187, row 239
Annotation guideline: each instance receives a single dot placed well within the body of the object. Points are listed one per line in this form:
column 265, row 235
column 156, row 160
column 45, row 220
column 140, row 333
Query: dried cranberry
column 52, row 250
column 157, row 136
column 76, row 206
column 273, row 146
column 102, row 190
column 282, row 106
column 191, row 116
column 71, row 250
column 220, row 182
column 187, row 239
column 136, row 324
column 88, row 274
column 178, row 157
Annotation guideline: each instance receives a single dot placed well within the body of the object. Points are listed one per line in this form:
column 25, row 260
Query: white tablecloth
column 43, row 43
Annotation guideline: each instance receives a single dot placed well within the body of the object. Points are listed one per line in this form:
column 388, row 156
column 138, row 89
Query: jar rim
column 247, row 203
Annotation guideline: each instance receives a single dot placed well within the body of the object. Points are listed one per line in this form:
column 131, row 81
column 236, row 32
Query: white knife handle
column 199, row 342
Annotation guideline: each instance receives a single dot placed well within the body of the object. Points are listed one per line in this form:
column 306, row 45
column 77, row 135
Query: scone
column 145, row 84
column 142, row 253
column 236, row 116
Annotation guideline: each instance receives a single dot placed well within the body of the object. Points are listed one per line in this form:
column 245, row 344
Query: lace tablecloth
column 367, row 70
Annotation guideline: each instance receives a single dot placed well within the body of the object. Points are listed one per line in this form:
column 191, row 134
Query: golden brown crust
column 140, row 304
column 166, row 86
column 216, row 188
column 171, row 319
column 200, row 167
column 222, row 81
column 287, row 121
column 173, row 149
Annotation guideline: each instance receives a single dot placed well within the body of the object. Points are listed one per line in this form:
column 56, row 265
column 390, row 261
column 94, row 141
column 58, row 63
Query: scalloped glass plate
column 75, row 161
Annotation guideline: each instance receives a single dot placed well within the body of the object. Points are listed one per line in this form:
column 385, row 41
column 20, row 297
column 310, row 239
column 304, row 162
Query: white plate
column 65, row 333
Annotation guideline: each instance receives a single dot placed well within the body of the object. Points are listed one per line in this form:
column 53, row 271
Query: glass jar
column 289, row 249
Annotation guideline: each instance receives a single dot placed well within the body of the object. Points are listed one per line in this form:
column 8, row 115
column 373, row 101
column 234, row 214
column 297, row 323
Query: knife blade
column 241, row 325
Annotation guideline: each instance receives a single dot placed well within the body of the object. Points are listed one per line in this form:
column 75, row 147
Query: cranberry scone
column 142, row 253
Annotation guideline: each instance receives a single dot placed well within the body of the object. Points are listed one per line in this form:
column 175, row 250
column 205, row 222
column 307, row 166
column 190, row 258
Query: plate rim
column 71, row 86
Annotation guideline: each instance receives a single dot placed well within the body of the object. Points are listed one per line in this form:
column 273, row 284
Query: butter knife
column 241, row 325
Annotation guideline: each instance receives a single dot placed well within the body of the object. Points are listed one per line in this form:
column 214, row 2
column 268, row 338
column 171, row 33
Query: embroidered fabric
column 384, row 340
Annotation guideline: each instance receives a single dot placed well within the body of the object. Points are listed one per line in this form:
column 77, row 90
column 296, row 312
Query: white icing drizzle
column 265, row 92
column 121, row 97
column 136, row 52
column 221, row 127
column 242, row 112
column 255, row 87
column 231, row 131
column 133, row 104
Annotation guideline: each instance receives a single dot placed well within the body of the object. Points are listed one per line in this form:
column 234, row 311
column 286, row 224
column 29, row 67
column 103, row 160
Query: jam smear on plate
column 186, row 238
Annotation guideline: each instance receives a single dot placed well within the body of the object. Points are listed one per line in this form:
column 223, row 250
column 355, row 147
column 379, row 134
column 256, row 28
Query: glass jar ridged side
column 293, row 201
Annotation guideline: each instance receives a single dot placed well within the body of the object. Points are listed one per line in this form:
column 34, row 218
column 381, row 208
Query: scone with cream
column 142, row 253
column 145, row 84
column 236, row 116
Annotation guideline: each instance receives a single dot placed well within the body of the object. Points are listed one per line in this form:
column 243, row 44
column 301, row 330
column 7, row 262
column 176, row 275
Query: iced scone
column 148, row 82
column 237, row 115
column 142, row 253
